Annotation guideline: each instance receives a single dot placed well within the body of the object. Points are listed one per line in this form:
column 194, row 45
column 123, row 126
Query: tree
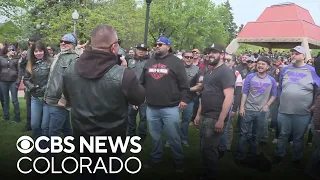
column 240, row 28
column 9, row 32
column 231, row 26
column 189, row 24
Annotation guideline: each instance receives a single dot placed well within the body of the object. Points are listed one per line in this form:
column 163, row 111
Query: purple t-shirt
column 258, row 91
column 296, row 89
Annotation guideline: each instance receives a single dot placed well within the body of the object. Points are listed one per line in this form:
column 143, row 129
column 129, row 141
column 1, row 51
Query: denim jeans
column 264, row 129
column 209, row 142
column 5, row 88
column 167, row 120
column 313, row 167
column 250, row 125
column 186, row 117
column 40, row 118
column 59, row 121
column 295, row 124
column 132, row 120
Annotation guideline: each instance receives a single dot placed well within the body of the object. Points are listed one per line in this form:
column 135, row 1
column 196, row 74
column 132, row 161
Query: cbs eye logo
column 25, row 144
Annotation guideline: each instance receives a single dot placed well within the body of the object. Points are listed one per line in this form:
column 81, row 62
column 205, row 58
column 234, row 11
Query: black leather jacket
column 36, row 82
column 54, row 90
column 10, row 69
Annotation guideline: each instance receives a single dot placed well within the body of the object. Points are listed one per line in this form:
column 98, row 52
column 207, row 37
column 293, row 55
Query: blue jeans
column 39, row 118
column 264, row 129
column 167, row 119
column 297, row 125
column 186, row 117
column 250, row 125
column 59, row 121
column 132, row 120
column 313, row 167
column 5, row 88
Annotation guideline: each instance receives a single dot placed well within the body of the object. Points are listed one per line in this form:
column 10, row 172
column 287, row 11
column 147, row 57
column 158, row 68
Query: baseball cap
column 217, row 47
column 251, row 59
column 164, row 40
column 141, row 46
column 299, row 49
column 11, row 48
column 70, row 38
column 264, row 59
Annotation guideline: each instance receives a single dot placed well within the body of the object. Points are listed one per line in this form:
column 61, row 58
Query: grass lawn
column 10, row 132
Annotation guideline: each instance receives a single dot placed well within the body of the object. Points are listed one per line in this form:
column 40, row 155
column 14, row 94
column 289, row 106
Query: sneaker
column 185, row 143
column 277, row 160
column 179, row 168
column 166, row 145
column 296, row 165
column 274, row 141
column 149, row 164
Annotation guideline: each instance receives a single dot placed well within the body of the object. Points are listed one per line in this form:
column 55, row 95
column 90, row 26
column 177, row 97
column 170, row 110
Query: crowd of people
column 103, row 92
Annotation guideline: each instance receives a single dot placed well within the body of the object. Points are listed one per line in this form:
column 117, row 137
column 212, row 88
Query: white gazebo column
column 305, row 44
column 233, row 46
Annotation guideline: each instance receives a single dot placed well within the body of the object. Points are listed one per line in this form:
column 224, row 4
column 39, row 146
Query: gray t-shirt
column 258, row 91
column 191, row 70
column 296, row 89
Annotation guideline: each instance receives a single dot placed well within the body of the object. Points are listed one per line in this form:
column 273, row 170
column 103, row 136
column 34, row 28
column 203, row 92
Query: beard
column 159, row 53
column 213, row 62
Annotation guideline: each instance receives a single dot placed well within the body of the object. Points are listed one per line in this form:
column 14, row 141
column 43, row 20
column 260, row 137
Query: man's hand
column 318, row 132
column 197, row 120
column 312, row 108
column 135, row 107
column 232, row 114
column 61, row 103
column 219, row 126
column 242, row 111
column 265, row 108
column 123, row 61
column 182, row 105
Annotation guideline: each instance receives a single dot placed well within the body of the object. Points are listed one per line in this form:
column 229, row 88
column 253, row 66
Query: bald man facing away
column 99, row 90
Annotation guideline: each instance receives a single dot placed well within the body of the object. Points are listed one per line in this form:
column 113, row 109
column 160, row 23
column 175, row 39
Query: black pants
column 28, row 102
column 209, row 143
column 1, row 99
column 195, row 107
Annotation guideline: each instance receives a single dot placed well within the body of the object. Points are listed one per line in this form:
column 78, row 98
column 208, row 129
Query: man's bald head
column 103, row 37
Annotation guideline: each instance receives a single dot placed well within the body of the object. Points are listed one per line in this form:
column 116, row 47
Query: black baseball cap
column 217, row 47
column 141, row 46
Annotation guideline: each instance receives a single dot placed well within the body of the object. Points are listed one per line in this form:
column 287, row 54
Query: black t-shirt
column 214, row 82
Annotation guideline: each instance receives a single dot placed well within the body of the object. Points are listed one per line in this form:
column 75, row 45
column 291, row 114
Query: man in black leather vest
column 99, row 90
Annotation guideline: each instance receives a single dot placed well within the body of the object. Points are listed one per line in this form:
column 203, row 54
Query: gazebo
column 280, row 26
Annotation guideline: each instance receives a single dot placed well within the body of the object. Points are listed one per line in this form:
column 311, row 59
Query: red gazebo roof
column 282, row 21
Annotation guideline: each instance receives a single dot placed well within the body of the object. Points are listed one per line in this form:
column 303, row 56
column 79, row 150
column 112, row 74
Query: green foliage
column 9, row 32
column 188, row 23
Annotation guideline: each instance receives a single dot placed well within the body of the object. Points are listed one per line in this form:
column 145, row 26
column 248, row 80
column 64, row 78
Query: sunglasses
column 159, row 44
column 228, row 60
column 188, row 57
column 65, row 42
